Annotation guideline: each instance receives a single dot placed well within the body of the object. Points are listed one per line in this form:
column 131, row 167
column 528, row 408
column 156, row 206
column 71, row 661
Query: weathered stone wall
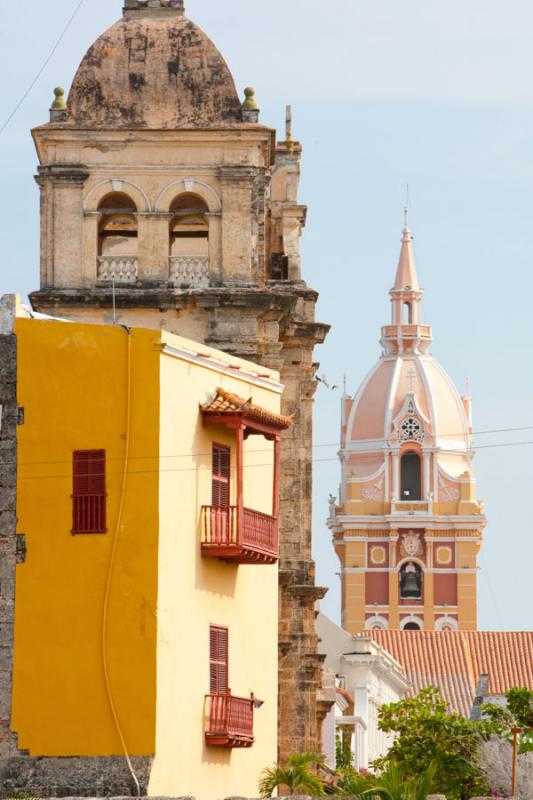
column 64, row 777
column 8, row 515
column 291, row 797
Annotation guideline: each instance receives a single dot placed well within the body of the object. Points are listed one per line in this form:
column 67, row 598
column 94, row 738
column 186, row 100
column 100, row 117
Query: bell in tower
column 411, row 581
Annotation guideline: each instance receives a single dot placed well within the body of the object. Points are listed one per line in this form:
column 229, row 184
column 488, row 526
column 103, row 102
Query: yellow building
column 168, row 203
column 408, row 526
column 146, row 589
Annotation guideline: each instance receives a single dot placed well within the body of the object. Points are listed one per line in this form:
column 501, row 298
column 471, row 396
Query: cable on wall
column 111, row 567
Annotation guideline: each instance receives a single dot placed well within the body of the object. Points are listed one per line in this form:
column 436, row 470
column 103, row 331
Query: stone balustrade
column 189, row 271
column 121, row 269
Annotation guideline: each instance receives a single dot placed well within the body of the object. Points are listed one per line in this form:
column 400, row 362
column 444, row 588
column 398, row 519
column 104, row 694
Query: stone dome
column 153, row 69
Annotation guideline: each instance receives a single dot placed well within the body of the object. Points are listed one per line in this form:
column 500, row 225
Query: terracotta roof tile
column 230, row 404
column 454, row 661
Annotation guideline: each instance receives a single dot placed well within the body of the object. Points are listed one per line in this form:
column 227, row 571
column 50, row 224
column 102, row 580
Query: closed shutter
column 89, row 491
column 221, row 476
column 218, row 660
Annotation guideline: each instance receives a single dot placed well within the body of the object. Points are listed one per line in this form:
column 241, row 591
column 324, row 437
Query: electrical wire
column 200, row 454
column 42, row 69
column 207, row 467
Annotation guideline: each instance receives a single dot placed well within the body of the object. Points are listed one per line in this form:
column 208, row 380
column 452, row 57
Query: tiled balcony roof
column 454, row 660
column 228, row 404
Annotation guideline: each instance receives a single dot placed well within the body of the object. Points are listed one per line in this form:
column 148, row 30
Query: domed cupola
column 153, row 69
column 407, row 500
column 408, row 396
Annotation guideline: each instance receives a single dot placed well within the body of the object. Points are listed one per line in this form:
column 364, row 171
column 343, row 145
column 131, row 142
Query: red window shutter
column 218, row 660
column 221, row 475
column 89, row 491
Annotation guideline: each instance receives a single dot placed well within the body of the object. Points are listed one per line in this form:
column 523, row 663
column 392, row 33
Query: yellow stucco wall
column 72, row 384
column 194, row 592
column 164, row 595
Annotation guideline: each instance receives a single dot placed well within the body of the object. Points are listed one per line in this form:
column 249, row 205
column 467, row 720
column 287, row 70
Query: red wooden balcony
column 230, row 721
column 239, row 535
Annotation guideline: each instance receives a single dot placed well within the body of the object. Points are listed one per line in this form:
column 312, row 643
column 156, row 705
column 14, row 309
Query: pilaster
column 394, row 589
column 429, row 600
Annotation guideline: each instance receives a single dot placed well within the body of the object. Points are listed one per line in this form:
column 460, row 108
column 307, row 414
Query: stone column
column 62, row 223
column 396, row 476
column 237, row 239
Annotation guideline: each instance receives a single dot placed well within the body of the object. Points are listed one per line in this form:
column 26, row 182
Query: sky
column 384, row 93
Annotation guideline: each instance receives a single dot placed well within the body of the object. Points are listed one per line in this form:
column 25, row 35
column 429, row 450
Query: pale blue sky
column 436, row 94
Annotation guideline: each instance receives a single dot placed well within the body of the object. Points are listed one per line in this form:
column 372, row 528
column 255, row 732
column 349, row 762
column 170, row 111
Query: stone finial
column 58, row 109
column 59, row 103
column 250, row 109
column 250, row 104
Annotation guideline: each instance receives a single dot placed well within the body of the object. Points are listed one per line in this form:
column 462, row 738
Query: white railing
column 189, row 271
column 122, row 269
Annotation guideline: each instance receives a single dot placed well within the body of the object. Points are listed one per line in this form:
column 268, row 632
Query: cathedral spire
column 406, row 277
column 406, row 334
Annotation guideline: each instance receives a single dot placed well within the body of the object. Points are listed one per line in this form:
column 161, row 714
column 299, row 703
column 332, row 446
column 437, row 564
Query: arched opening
column 412, row 626
column 411, row 581
column 411, row 476
column 189, row 240
column 117, row 238
column 407, row 315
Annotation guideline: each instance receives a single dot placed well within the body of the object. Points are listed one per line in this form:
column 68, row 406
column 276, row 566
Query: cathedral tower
column 408, row 527
column 166, row 204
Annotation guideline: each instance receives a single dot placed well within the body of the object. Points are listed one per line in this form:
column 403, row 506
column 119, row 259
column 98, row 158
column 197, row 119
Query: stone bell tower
column 166, row 204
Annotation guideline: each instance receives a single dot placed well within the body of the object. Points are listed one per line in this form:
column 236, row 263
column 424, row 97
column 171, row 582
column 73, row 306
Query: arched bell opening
column 411, row 476
column 411, row 581
column 412, row 626
column 117, row 238
column 189, row 240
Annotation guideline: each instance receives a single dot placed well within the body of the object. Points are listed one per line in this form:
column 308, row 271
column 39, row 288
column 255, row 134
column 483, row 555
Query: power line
column 200, row 454
column 207, row 467
column 42, row 69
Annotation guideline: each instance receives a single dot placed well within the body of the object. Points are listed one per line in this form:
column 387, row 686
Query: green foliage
column 395, row 784
column 353, row 783
column 298, row 776
column 517, row 714
column 428, row 736
column 343, row 752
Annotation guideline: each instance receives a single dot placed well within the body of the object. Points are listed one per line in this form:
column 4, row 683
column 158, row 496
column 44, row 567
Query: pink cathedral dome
column 407, row 404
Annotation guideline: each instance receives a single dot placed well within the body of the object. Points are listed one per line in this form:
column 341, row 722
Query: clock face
column 411, row 428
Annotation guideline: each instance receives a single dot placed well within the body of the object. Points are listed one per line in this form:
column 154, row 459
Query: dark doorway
column 411, row 477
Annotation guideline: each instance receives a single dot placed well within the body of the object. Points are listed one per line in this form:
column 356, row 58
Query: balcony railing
column 230, row 721
column 189, row 271
column 89, row 513
column 407, row 331
column 410, row 507
column 121, row 269
column 248, row 537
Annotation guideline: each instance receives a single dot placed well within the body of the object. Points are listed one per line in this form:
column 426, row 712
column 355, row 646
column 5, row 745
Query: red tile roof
column 454, row 660
column 229, row 404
